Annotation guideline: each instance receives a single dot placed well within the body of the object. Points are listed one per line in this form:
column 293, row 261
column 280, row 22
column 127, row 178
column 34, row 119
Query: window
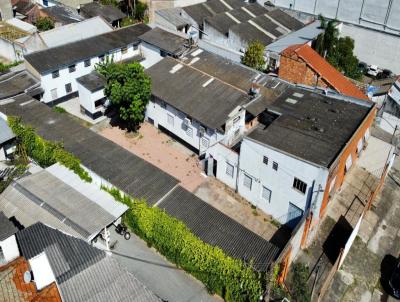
column 87, row 63
column 68, row 88
column 72, row 68
column 55, row 74
column 189, row 131
column 53, row 93
column 265, row 160
column 124, row 50
column 299, row 185
column 236, row 119
column 163, row 105
column 275, row 166
column 247, row 181
column 229, row 169
column 170, row 119
column 205, row 142
column 266, row 194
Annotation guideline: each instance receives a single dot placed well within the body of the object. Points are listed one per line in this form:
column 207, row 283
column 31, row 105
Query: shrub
column 59, row 109
column 44, row 23
column 300, row 290
column 230, row 278
column 44, row 152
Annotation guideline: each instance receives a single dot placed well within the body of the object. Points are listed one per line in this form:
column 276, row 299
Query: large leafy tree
column 129, row 90
column 254, row 55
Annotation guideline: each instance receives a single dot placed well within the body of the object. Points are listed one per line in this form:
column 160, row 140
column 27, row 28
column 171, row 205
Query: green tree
column 326, row 41
column 140, row 11
column 300, row 290
column 254, row 55
column 129, row 90
column 44, row 23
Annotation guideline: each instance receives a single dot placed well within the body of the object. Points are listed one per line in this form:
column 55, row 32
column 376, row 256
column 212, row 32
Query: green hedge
column 230, row 278
column 44, row 152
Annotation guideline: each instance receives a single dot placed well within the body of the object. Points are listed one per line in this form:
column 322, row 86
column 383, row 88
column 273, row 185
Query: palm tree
column 326, row 41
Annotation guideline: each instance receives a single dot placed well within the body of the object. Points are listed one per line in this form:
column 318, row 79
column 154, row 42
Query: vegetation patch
column 230, row 278
column 44, row 152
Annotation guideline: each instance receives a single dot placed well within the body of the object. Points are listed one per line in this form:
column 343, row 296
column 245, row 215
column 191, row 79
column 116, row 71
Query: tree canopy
column 44, row 23
column 128, row 88
column 254, row 55
column 337, row 51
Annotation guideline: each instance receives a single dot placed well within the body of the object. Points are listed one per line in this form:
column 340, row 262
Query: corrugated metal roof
column 217, row 229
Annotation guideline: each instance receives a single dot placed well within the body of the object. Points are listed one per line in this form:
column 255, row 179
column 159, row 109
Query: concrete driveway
column 162, row 277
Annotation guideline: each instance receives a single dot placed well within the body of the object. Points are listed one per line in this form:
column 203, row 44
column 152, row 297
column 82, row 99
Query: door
column 53, row 93
column 294, row 215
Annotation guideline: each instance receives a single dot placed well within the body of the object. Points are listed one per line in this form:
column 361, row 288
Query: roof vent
column 208, row 82
column 291, row 101
column 333, row 110
column 298, row 95
column 254, row 89
column 28, row 277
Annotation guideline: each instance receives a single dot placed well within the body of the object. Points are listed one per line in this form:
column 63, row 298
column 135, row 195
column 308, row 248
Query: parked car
column 394, row 282
column 373, row 70
column 385, row 74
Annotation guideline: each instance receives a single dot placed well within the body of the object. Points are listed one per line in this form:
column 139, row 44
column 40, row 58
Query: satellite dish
column 27, row 277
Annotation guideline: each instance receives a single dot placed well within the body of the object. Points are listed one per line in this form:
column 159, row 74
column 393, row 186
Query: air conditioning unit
column 187, row 121
column 202, row 130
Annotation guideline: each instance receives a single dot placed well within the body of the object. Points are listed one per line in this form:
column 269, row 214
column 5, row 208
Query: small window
column 87, row 63
column 265, row 160
column 299, row 185
column 205, row 142
column 124, row 50
column 55, row 74
column 170, row 119
column 163, row 105
column 53, row 93
column 68, row 88
column 101, row 58
column 72, row 68
column 236, row 119
column 229, row 169
column 266, row 194
column 189, row 131
column 247, row 181
column 275, row 166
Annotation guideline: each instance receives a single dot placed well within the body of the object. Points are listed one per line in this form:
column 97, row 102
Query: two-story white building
column 58, row 68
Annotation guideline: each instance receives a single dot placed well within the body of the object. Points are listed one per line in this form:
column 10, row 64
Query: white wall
column 48, row 83
column 224, row 156
column 10, row 248
column 280, row 182
column 151, row 55
column 7, row 50
column 214, row 35
column 159, row 114
column 87, row 98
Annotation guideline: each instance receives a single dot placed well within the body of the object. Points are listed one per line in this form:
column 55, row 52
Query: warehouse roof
column 113, row 163
column 63, row 14
column 171, row 43
column 217, row 229
column 92, row 81
column 7, row 228
column 173, row 16
column 14, row 83
column 311, row 126
column 109, row 12
column 54, row 58
column 197, row 94
column 82, row 272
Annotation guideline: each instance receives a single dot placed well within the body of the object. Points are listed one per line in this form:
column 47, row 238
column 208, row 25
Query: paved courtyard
column 161, row 150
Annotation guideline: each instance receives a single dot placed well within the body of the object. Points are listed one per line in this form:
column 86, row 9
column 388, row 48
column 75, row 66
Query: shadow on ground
column 388, row 265
column 337, row 239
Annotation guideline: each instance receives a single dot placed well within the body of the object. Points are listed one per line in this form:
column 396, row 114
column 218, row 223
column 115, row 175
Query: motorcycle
column 122, row 229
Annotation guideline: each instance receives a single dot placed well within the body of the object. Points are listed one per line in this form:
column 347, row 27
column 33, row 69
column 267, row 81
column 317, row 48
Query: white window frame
column 264, row 188
column 230, row 169
column 205, row 142
column 170, row 119
column 189, row 131
column 249, row 184
column 54, row 94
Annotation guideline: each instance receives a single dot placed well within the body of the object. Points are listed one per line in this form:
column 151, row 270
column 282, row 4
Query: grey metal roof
column 92, row 81
column 204, row 98
column 173, row 16
column 108, row 12
column 63, row 202
column 53, row 58
column 7, row 228
column 83, row 273
column 164, row 40
column 14, row 83
column 6, row 133
column 217, row 229
column 301, row 36
column 113, row 163
column 63, row 14
column 285, row 19
column 311, row 126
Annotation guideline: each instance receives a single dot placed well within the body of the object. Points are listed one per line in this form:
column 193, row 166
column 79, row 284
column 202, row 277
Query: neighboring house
column 6, row 11
column 54, row 266
column 64, row 35
column 109, row 13
column 24, row 26
column 300, row 64
column 9, row 34
column 57, row 197
column 62, row 14
column 7, row 140
column 27, row 10
column 16, row 83
column 297, row 153
column 389, row 114
column 8, row 243
column 170, row 18
column 59, row 67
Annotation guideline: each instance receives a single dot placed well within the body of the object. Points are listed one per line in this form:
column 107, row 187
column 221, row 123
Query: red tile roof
column 14, row 289
column 329, row 73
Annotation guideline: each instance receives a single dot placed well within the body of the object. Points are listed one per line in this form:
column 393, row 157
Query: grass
column 59, row 109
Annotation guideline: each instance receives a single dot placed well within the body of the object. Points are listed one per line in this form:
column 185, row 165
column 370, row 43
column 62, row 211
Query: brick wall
column 295, row 70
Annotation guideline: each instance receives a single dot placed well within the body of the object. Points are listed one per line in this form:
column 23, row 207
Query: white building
column 59, row 67
column 389, row 114
column 8, row 244
column 7, row 140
